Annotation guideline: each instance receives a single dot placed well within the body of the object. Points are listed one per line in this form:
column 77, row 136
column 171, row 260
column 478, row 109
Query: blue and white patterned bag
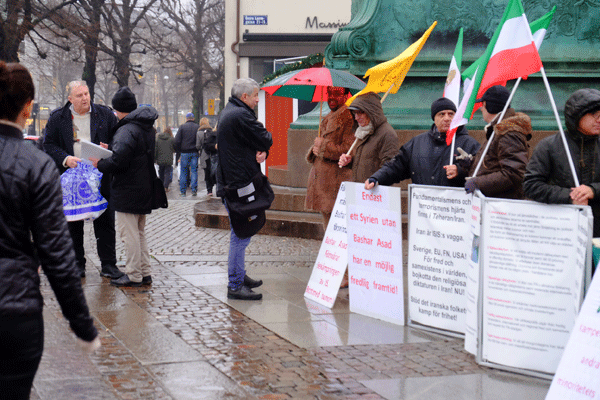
column 81, row 193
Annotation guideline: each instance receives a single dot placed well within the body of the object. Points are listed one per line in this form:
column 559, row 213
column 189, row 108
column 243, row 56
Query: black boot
column 251, row 283
column 110, row 271
column 243, row 293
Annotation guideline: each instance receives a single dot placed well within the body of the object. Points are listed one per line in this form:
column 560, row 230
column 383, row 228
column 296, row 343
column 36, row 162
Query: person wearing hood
column 206, row 153
column 424, row 158
column 501, row 173
column 548, row 178
column 131, row 187
column 377, row 142
column 163, row 156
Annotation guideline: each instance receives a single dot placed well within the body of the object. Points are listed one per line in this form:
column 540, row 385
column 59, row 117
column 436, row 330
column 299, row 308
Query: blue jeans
column 189, row 162
column 235, row 261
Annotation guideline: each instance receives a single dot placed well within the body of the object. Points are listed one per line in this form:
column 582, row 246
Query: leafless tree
column 20, row 19
column 190, row 48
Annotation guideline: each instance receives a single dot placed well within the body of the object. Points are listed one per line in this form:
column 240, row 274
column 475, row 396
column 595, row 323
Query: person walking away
column 243, row 143
column 80, row 119
column 201, row 137
column 131, row 187
column 33, row 232
column 163, row 156
column 185, row 143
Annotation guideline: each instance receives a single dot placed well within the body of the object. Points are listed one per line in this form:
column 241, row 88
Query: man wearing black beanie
column 131, row 163
column 425, row 158
column 501, row 173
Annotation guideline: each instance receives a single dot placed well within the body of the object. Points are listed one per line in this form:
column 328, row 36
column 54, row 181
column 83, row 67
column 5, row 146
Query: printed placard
column 375, row 252
column 438, row 256
column 330, row 266
column 529, row 270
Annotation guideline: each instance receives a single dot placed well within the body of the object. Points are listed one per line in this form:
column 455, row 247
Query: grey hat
column 495, row 99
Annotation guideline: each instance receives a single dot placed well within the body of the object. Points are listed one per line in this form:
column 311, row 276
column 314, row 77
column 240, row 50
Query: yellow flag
column 392, row 72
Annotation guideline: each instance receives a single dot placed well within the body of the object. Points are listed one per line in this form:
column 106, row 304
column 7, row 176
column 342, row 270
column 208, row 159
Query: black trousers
column 208, row 178
column 21, row 347
column 104, row 230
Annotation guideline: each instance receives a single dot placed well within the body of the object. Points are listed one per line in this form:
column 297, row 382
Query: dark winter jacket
column 380, row 146
column 163, row 154
column 548, row 178
column 33, row 232
column 240, row 135
column 185, row 139
column 423, row 157
column 503, row 167
column 130, row 165
column 58, row 142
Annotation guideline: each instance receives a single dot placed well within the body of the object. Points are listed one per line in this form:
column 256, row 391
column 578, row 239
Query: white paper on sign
column 329, row 268
column 92, row 150
column 375, row 252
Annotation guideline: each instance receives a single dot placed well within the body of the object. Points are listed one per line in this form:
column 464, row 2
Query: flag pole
column 320, row 113
column 489, row 142
column 386, row 93
column 560, row 129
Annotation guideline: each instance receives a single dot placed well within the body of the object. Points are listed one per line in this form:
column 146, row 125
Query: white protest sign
column 438, row 256
column 328, row 271
column 375, row 252
column 471, row 319
column 578, row 374
column 530, row 262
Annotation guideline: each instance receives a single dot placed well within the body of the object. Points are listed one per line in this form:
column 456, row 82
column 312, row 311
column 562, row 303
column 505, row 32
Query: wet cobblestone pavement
column 180, row 338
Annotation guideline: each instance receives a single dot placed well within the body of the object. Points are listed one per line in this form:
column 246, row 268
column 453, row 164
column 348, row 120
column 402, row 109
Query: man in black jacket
column 548, row 177
column 131, row 165
column 425, row 158
column 80, row 119
column 242, row 143
column 185, row 143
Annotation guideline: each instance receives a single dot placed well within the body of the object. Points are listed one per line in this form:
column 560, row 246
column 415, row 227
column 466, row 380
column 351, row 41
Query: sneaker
column 209, row 194
column 243, row 293
column 147, row 280
column 110, row 271
column 124, row 281
column 251, row 283
column 194, row 194
column 182, row 194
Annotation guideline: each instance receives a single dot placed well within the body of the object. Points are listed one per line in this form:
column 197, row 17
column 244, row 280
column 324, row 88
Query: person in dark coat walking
column 33, row 232
column 549, row 179
column 163, row 156
column 202, row 137
column 185, row 143
column 425, row 158
column 243, row 143
column 80, row 119
column 131, row 186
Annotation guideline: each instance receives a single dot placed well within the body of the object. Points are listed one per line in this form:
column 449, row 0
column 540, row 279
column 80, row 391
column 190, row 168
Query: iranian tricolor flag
column 452, row 87
column 512, row 53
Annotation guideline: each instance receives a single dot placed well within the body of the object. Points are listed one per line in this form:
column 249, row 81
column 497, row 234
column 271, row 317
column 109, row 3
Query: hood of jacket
column 581, row 102
column 164, row 136
column 142, row 116
column 370, row 104
column 205, row 126
column 512, row 122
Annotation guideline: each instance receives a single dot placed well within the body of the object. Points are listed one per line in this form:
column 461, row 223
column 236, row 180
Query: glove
column 471, row 185
column 463, row 155
column 89, row 347
column 373, row 180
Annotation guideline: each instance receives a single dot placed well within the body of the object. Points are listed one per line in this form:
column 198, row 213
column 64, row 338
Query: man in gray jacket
column 548, row 178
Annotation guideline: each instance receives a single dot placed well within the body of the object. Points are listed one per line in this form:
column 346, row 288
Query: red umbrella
column 311, row 84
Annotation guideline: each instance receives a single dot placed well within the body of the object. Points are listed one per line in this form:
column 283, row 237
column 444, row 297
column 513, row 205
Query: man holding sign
column 423, row 158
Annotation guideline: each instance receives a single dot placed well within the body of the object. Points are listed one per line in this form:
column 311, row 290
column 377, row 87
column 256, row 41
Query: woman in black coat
column 33, row 232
